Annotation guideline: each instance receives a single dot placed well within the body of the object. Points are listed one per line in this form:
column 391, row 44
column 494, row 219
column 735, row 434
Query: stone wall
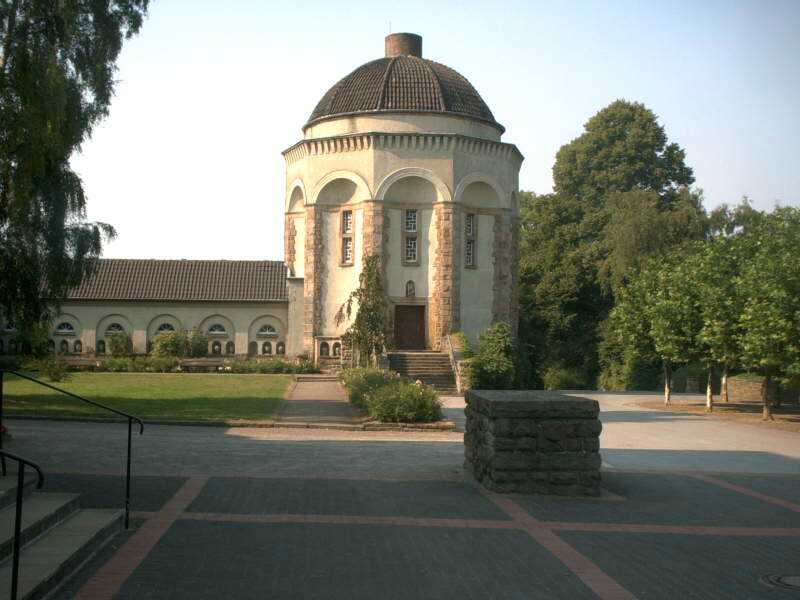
column 533, row 442
column 742, row 389
column 446, row 304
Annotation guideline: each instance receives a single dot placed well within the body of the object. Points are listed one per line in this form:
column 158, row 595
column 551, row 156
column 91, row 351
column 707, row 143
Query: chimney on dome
column 403, row 44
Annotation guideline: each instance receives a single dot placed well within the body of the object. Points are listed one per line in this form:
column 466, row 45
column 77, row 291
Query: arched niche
column 480, row 194
column 159, row 324
column 297, row 199
column 341, row 187
column 413, row 185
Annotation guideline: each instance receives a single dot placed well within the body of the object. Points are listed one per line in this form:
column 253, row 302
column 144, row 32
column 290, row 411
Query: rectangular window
column 470, row 235
column 347, row 251
column 411, row 221
column 469, row 253
column 411, row 249
column 347, row 221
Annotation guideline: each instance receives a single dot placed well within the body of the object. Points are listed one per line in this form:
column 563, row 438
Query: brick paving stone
column 424, row 499
column 786, row 488
column 656, row 567
column 225, row 560
column 663, row 499
column 148, row 493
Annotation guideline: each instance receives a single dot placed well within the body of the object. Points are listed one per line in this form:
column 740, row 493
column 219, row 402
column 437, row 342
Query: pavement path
column 318, row 401
column 694, row 508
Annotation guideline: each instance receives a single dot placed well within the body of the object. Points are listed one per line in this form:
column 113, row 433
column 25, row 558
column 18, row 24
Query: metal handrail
column 130, row 419
column 23, row 462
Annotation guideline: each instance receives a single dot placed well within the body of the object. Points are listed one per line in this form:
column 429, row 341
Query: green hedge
column 404, row 402
column 361, row 381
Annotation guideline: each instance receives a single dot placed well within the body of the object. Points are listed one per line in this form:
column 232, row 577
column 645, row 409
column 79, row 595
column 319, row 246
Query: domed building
column 402, row 158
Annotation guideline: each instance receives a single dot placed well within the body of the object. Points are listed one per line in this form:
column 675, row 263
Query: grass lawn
column 188, row 396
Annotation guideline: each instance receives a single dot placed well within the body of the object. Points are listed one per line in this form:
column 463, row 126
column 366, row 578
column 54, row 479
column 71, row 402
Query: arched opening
column 230, row 348
column 114, row 328
column 412, row 189
column 63, row 347
column 77, row 347
column 337, row 349
column 267, row 331
column 411, row 289
column 280, row 348
column 266, row 348
column 252, row 349
column 216, row 348
column 101, row 347
column 165, row 328
column 217, row 329
column 324, row 350
column 338, row 191
column 296, row 200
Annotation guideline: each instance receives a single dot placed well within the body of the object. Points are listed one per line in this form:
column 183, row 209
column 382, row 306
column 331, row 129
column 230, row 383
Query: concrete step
column 8, row 488
column 40, row 512
column 47, row 560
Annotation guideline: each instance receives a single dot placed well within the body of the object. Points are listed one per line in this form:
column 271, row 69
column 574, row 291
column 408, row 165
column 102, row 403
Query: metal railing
column 130, row 419
column 22, row 463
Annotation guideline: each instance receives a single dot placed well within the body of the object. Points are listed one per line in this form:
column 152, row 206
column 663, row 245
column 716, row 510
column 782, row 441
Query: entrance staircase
column 57, row 537
column 432, row 368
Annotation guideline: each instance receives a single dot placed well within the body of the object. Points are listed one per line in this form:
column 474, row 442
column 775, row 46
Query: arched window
column 230, row 348
column 63, row 347
column 77, row 347
column 216, row 348
column 101, row 347
column 217, row 329
column 267, row 331
column 337, row 349
column 252, row 348
column 280, row 348
column 65, row 328
column 324, row 349
column 411, row 289
column 164, row 328
column 114, row 328
column 266, row 348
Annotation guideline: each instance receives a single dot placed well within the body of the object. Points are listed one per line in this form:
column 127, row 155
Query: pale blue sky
column 188, row 164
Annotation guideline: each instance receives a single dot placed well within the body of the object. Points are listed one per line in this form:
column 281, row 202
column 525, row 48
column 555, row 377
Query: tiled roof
column 403, row 83
column 184, row 281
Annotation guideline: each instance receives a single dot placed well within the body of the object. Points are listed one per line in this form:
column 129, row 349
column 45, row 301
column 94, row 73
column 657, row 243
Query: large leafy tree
column 621, row 194
column 770, row 284
column 56, row 83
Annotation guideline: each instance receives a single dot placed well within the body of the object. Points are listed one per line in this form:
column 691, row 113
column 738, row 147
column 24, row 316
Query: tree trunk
column 710, row 392
column 667, row 382
column 724, row 384
column 767, row 415
column 8, row 40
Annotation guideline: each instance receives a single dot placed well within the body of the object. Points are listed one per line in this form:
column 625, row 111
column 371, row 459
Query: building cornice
column 446, row 142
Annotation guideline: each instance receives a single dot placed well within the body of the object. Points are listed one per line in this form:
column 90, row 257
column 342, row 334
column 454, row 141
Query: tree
column 367, row 334
column 493, row 366
column 770, row 284
column 56, row 83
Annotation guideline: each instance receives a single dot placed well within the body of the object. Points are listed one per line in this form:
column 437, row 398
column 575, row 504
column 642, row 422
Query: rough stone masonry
column 533, row 442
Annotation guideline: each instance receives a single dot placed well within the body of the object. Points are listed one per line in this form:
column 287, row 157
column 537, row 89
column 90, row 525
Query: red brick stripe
column 747, row 491
column 351, row 520
column 679, row 529
column 106, row 583
column 595, row 578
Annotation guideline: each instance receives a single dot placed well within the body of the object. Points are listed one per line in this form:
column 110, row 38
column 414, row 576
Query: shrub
column 198, row 344
column 173, row 344
column 55, row 370
column 493, row 367
column 160, row 364
column 360, row 381
column 117, row 364
column 272, row 366
column 120, row 344
column 12, row 363
column 462, row 343
column 404, row 402
column 561, row 378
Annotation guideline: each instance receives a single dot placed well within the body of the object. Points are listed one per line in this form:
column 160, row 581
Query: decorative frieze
column 357, row 142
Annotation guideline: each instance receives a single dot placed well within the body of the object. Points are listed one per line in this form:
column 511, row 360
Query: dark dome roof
column 403, row 83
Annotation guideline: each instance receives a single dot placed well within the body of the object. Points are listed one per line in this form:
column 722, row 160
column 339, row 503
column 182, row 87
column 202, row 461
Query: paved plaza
column 692, row 507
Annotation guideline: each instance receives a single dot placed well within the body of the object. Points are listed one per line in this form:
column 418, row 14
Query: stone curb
column 265, row 424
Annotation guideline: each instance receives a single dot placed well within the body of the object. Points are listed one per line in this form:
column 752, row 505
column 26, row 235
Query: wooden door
column 409, row 327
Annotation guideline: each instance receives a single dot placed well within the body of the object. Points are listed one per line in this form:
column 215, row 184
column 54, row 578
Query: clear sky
column 189, row 165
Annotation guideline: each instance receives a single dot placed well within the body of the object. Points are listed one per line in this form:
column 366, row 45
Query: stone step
column 40, row 512
column 47, row 560
column 8, row 488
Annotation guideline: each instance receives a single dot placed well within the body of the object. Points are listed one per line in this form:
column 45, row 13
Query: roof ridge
column 437, row 80
column 385, row 82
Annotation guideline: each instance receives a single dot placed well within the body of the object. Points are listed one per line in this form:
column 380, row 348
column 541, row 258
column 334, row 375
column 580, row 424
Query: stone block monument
column 533, row 442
